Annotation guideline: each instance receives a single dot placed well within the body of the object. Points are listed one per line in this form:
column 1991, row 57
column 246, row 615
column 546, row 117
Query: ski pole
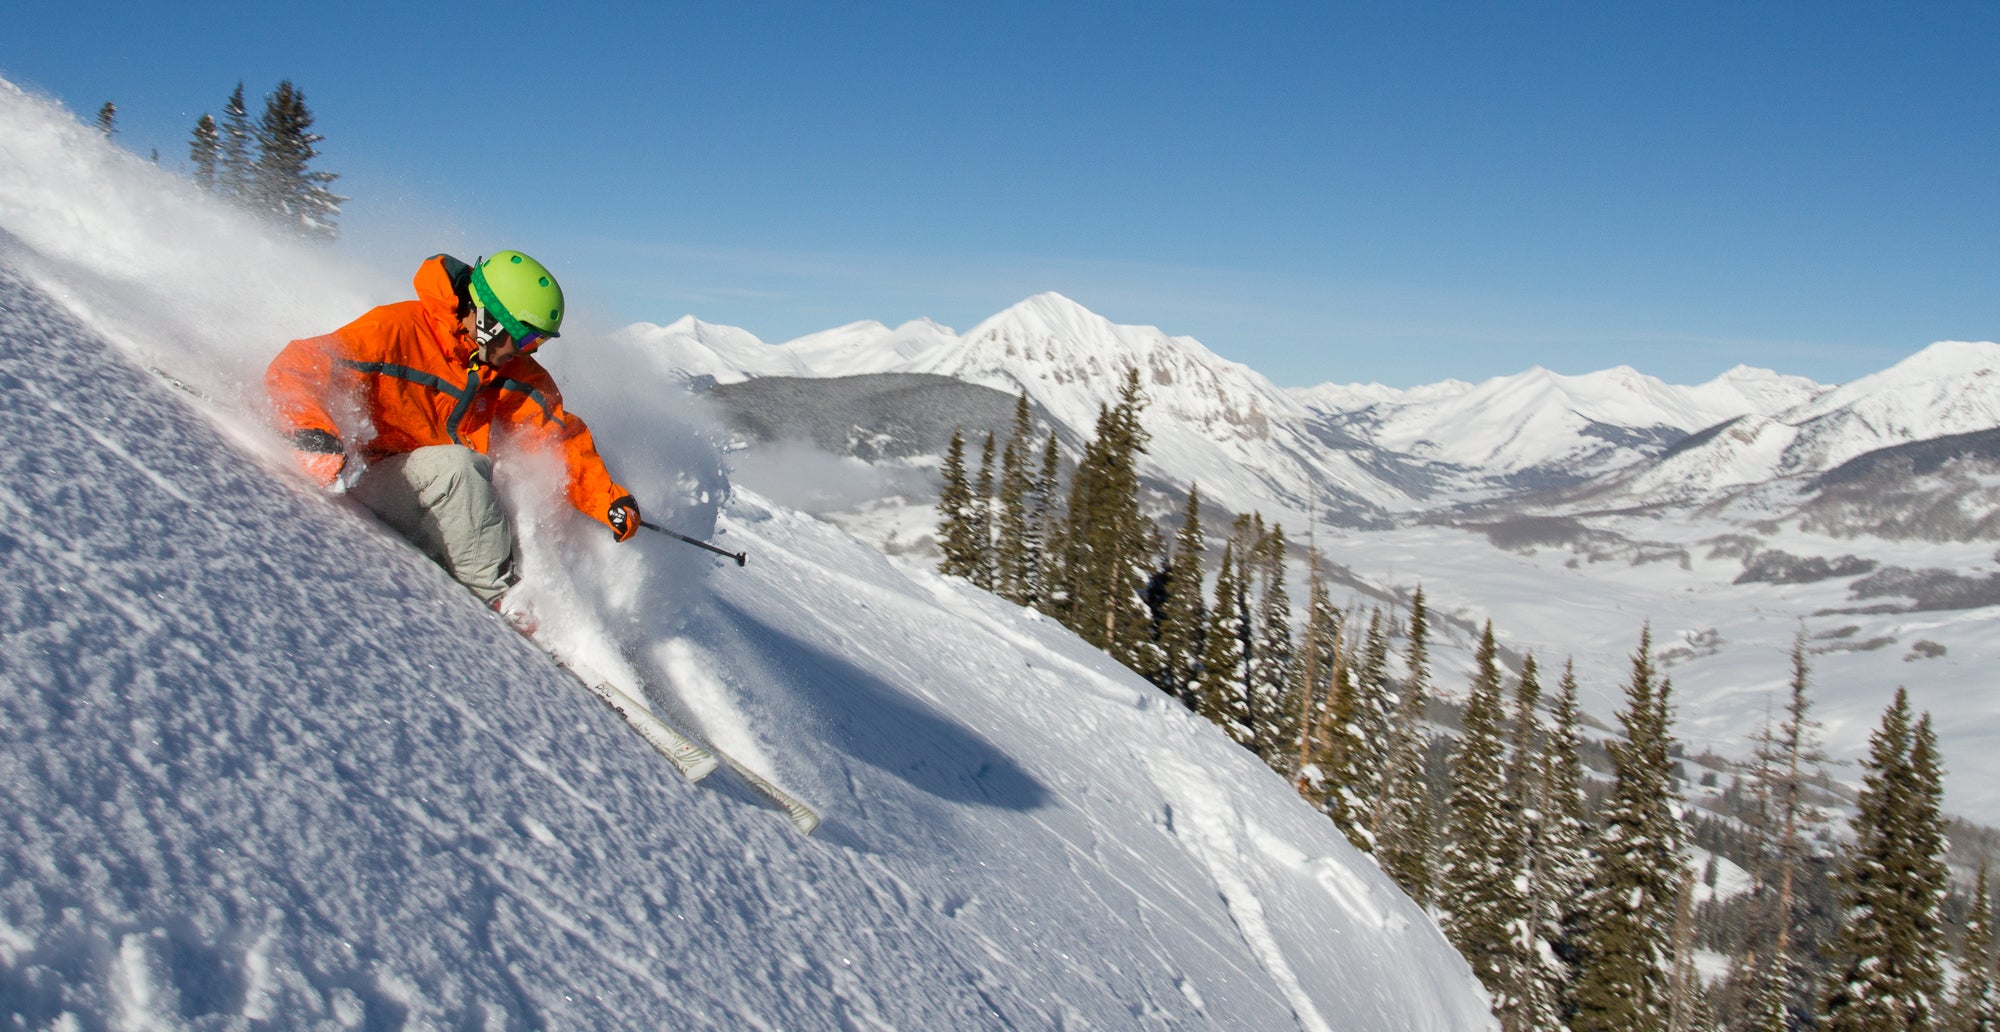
column 740, row 557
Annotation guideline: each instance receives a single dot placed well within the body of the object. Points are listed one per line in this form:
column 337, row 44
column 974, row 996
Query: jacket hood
column 441, row 285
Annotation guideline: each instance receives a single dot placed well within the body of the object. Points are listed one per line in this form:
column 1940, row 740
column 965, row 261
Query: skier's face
column 495, row 346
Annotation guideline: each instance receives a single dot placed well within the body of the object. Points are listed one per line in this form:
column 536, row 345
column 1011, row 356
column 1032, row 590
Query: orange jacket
column 400, row 378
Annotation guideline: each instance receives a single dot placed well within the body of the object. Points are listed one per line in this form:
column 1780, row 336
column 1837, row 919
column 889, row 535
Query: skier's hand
column 623, row 517
column 320, row 454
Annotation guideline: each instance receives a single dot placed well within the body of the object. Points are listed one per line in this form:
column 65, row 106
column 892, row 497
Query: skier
column 408, row 399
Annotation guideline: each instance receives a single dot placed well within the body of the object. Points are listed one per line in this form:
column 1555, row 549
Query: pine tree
column 980, row 521
column 1476, row 882
column 205, row 151
column 956, row 532
column 1888, row 949
column 1274, row 726
column 107, row 118
column 284, row 186
column 1219, row 691
column 1625, row 979
column 1312, row 696
column 1015, row 552
column 237, row 175
column 1404, row 825
column 1975, row 1005
column 1787, row 757
column 1536, row 983
column 1374, row 703
column 1109, row 543
column 1182, row 614
column 1045, row 523
column 1561, row 861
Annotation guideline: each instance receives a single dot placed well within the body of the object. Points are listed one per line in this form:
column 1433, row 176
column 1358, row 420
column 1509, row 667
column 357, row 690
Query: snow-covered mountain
column 263, row 765
column 1355, row 455
column 1215, row 422
column 1564, row 428
column 1945, row 389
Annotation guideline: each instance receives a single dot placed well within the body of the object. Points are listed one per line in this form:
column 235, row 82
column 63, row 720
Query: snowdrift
column 263, row 765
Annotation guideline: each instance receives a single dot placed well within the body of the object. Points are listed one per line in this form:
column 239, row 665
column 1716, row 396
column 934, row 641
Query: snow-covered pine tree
column 1404, row 822
column 236, row 171
column 1786, row 758
column 1975, row 1002
column 205, row 151
column 956, row 538
column 107, row 119
column 979, row 517
column 1182, row 614
column 1536, row 989
column 1110, row 543
column 1273, row 725
column 285, row 187
column 1477, row 893
column 1219, row 692
column 1625, row 978
column 1562, row 861
column 1311, row 697
column 1045, row 528
column 1015, row 551
column 1889, row 950
column 1374, row 704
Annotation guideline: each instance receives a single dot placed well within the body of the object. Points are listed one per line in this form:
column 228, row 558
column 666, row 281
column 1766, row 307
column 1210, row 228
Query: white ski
column 696, row 760
column 687, row 755
column 801, row 815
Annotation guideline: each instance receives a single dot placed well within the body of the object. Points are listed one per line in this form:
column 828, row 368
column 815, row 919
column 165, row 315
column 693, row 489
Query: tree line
column 1559, row 866
column 263, row 166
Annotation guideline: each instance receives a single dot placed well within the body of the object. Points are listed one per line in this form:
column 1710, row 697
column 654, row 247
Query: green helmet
column 520, row 292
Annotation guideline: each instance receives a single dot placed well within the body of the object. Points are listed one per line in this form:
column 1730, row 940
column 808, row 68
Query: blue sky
column 1327, row 192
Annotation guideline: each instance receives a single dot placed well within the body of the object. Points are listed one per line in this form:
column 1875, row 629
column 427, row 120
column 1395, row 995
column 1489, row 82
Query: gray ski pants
column 442, row 499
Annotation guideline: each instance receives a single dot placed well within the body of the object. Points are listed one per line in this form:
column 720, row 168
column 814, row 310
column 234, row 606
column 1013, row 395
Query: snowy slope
column 261, row 764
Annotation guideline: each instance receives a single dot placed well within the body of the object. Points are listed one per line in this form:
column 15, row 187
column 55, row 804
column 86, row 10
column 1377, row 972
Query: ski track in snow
column 262, row 765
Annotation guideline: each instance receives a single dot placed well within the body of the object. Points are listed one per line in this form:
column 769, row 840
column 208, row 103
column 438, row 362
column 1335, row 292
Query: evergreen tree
column 956, row 532
column 1045, row 523
column 1374, row 703
column 205, row 151
column 107, row 118
column 1892, row 879
column 1015, row 552
column 1182, row 614
column 1350, row 778
column 1404, row 819
column 1109, row 542
column 1786, row 758
column 1975, row 1003
column 1274, row 726
column 1536, row 983
column 1561, row 861
column 1312, row 697
column 1625, row 979
column 980, row 521
column 285, row 187
column 237, row 174
column 1219, row 691
column 1477, row 884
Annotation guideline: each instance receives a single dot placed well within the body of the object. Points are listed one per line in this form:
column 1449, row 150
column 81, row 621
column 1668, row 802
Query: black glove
column 320, row 454
column 623, row 517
